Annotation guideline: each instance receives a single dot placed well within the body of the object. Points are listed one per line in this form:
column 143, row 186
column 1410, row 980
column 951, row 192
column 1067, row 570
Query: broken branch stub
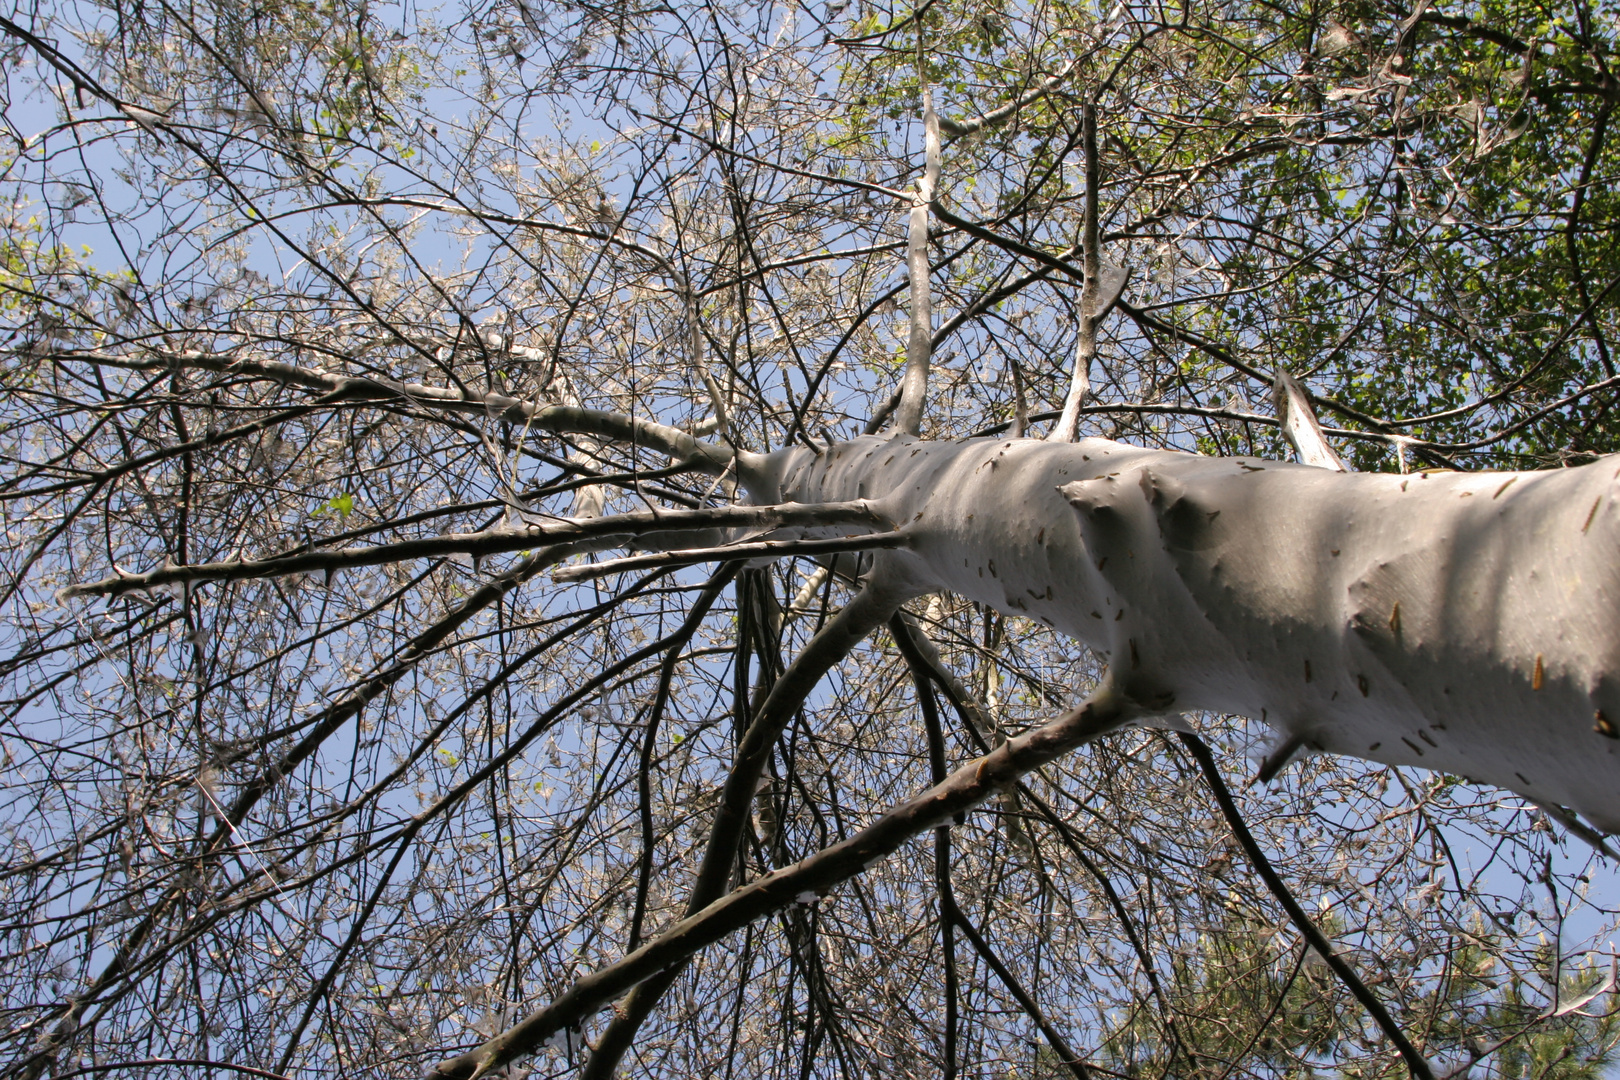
column 1299, row 424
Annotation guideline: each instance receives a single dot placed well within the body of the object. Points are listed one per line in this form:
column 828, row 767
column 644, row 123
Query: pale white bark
column 1464, row 622
column 1299, row 424
column 1067, row 428
column 1102, row 288
column 920, row 341
column 956, row 129
column 1460, row 622
column 591, row 500
column 807, row 593
column 1020, row 424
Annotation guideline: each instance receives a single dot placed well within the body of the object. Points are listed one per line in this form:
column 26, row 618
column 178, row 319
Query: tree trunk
column 1463, row 622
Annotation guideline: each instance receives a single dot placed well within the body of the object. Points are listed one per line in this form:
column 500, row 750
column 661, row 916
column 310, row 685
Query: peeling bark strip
column 964, row 789
column 1228, row 574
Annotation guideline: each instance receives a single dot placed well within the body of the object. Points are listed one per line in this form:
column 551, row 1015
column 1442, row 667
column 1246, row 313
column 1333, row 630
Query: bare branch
column 611, row 531
column 1302, row 922
column 805, row 881
column 865, row 613
column 919, row 345
column 762, row 549
column 334, row 389
column 957, row 129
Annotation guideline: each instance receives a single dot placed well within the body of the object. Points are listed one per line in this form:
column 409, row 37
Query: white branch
column 1101, row 290
column 710, row 458
column 956, row 129
column 694, row 331
column 919, row 343
column 1456, row 621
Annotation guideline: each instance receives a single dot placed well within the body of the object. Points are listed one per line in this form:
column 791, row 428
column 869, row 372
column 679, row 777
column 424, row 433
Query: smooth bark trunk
column 1463, row 622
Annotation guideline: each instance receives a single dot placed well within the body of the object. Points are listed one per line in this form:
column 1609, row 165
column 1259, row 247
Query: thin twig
column 832, row 643
column 763, row 549
column 492, row 542
column 1415, row 1062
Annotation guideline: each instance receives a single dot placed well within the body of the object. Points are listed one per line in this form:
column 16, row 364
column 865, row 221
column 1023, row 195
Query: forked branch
column 957, row 129
column 865, row 613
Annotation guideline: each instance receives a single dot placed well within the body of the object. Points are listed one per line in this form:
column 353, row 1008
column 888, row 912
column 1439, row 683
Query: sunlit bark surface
column 1458, row 622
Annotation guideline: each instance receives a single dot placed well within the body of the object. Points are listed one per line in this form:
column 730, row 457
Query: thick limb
column 1411, row 620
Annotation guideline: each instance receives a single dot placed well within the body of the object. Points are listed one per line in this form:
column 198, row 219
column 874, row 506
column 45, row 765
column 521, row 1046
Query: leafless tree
column 535, row 548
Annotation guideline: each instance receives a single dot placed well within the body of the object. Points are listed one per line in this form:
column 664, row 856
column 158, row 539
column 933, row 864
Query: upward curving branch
column 1068, row 425
column 919, row 343
column 958, row 129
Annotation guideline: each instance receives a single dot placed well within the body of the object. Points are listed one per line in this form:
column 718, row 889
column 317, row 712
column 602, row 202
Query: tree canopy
column 342, row 343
